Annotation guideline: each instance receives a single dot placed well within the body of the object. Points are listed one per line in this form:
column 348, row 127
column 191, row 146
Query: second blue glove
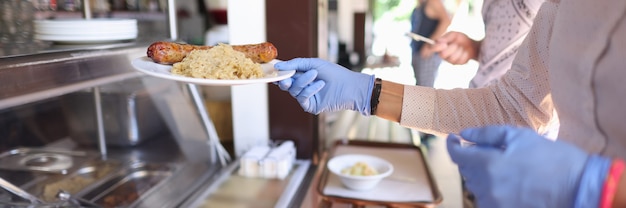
column 322, row 86
column 516, row 167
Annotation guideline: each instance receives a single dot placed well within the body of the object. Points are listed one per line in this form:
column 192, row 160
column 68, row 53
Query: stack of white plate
column 78, row 31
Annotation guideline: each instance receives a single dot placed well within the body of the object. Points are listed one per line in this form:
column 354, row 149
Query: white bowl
column 359, row 183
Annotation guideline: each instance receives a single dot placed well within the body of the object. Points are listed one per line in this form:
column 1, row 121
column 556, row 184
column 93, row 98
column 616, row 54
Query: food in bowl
column 360, row 169
column 359, row 182
column 219, row 62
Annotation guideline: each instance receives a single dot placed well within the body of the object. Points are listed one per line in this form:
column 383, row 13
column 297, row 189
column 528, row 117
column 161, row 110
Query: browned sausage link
column 169, row 52
column 259, row 53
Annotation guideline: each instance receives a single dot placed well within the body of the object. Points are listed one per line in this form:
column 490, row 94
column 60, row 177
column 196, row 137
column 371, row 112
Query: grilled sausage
column 169, row 52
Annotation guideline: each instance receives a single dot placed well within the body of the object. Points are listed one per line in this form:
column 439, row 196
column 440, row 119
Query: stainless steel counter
column 189, row 176
column 25, row 79
column 154, row 174
column 185, row 179
column 189, row 184
column 228, row 189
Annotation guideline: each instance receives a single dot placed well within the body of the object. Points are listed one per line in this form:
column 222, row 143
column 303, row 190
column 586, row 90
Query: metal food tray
column 127, row 187
column 43, row 159
column 410, row 166
column 89, row 175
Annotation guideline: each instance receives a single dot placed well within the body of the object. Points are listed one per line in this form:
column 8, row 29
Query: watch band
column 375, row 95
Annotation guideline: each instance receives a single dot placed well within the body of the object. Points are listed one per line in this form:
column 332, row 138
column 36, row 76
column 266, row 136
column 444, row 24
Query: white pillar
column 345, row 20
column 246, row 23
column 345, row 16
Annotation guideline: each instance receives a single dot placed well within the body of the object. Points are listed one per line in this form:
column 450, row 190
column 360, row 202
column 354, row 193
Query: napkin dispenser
column 268, row 162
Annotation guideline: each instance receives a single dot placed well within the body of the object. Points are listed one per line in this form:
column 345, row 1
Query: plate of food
column 222, row 65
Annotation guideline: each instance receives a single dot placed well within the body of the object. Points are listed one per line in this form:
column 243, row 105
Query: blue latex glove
column 322, row 86
column 515, row 167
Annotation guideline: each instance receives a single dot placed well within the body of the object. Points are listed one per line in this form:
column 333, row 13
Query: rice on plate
column 219, row 62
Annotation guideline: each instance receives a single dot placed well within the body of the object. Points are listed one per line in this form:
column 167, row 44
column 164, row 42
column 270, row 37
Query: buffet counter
column 172, row 168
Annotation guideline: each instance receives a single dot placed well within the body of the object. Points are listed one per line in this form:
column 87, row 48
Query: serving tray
column 410, row 185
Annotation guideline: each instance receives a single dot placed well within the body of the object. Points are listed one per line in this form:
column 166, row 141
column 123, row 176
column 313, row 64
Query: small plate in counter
column 146, row 65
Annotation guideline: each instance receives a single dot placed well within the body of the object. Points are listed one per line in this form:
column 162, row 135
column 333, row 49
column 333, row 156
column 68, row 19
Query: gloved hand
column 515, row 167
column 322, row 86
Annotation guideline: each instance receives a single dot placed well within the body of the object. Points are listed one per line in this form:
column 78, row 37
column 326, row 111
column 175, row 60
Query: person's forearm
column 443, row 17
column 619, row 200
column 441, row 28
column 390, row 101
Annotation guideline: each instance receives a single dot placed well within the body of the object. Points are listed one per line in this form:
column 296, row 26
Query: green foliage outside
column 400, row 10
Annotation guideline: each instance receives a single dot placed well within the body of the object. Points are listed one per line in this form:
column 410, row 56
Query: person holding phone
column 429, row 19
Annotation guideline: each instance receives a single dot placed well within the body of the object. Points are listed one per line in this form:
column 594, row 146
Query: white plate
column 86, row 30
column 84, row 23
column 81, row 39
column 146, row 65
column 99, row 31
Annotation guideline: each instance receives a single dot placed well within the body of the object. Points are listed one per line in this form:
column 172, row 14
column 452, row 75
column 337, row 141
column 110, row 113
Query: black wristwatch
column 378, row 83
